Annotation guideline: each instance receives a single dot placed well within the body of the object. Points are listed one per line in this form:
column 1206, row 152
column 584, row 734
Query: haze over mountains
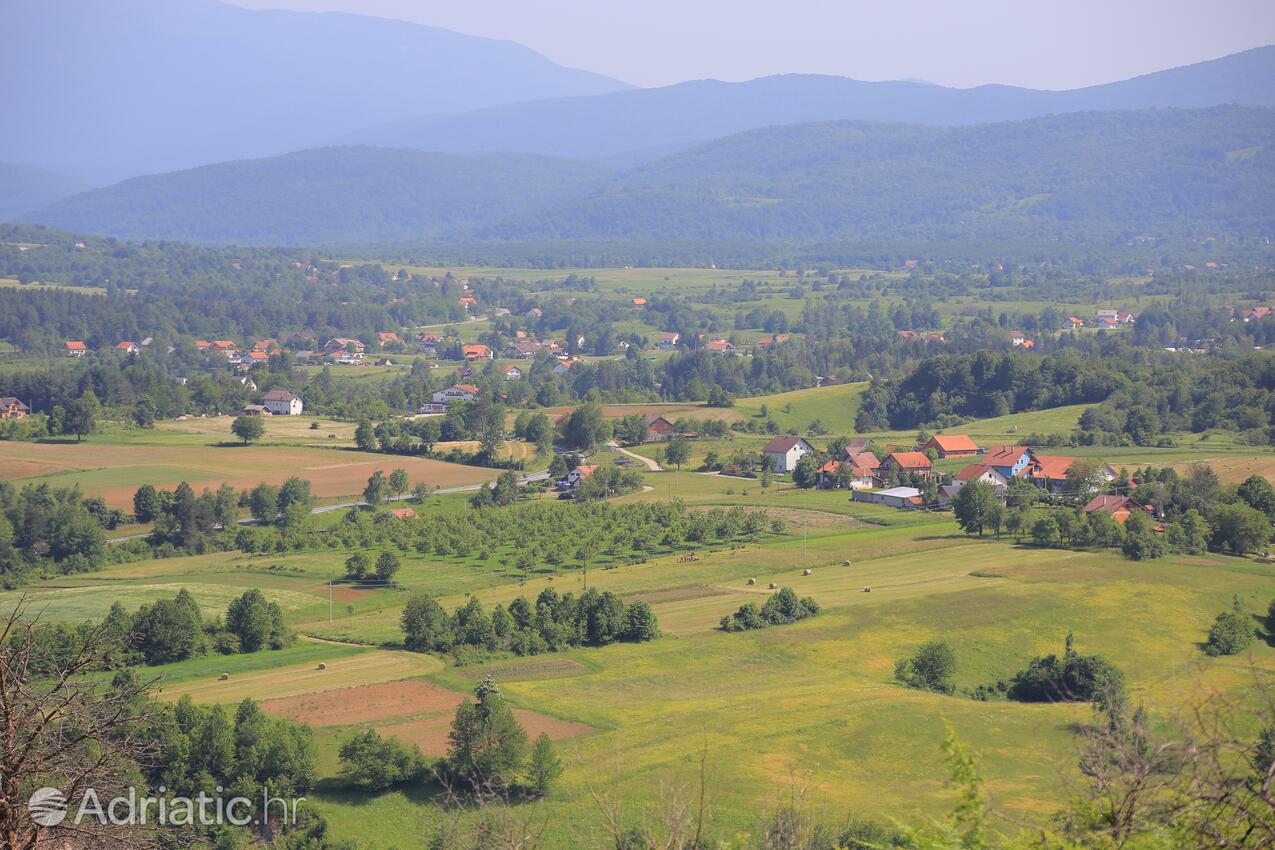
column 323, row 129
column 102, row 89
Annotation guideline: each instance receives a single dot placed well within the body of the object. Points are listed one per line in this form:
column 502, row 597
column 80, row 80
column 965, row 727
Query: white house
column 782, row 453
column 283, row 403
column 670, row 339
column 576, row 476
column 455, row 393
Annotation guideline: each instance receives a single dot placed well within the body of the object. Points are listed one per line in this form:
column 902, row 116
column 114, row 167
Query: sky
column 1048, row 44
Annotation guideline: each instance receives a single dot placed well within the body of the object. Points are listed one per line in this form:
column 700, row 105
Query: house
column 639, row 302
column 1074, row 324
column 1008, row 461
column 266, row 345
column 477, row 352
column 455, row 393
column 524, row 350
column 915, row 462
column 838, row 473
column 659, row 427
column 511, row 373
column 247, row 383
column 1118, row 507
column 283, row 403
column 576, row 476
column 203, row 345
column 669, row 339
column 777, row 339
column 563, row 366
column 428, row 344
column 344, row 344
column 983, row 473
column 860, row 459
column 253, row 358
column 1017, row 338
column 74, row 348
column 11, row 408
column 952, row 445
column 403, row 513
column 856, row 445
column 720, row 345
column 782, row 453
column 223, row 345
column 255, row 410
column 307, row 358
column 388, row 338
column 906, row 498
column 128, row 347
column 1253, row 313
column 1053, row 471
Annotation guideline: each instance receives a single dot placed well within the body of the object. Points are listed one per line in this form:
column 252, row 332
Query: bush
column 1073, row 678
column 1230, row 634
column 932, row 668
column 780, row 609
column 376, row 763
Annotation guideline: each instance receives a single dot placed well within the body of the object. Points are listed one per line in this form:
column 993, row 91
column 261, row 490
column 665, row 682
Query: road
column 650, row 464
column 466, row 488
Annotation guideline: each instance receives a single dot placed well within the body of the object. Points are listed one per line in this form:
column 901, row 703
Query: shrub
column 1073, row 678
column 1230, row 634
column 932, row 668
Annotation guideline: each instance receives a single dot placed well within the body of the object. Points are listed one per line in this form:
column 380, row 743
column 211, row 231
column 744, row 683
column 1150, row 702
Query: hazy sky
column 1038, row 43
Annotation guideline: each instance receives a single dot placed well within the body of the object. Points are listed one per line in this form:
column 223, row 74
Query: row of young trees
column 552, row 624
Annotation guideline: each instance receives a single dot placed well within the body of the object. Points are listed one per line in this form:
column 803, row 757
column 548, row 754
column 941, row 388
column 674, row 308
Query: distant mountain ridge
column 1096, row 175
column 336, row 195
column 119, row 87
column 688, row 113
column 24, row 188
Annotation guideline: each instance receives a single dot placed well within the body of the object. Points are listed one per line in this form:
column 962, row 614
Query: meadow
column 812, row 706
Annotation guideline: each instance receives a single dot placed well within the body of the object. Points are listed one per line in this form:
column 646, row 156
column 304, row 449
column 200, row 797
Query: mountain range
column 105, row 89
column 1081, row 175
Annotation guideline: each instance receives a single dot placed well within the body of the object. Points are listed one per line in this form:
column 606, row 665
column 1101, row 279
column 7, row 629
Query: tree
column 932, row 668
column 365, row 436
column 399, row 481
column 1045, row 531
column 806, row 473
column 376, row 763
column 677, row 451
column 357, row 567
column 73, row 731
column 1259, row 494
column 426, row 626
column 387, row 566
column 976, row 507
column 640, row 624
column 263, row 502
column 586, row 427
column 248, row 428
column 486, row 746
column 376, row 490
column 1240, row 529
column 1231, row 633
column 256, row 621
column 81, row 415
column 545, row 766
column 1141, row 540
column 146, row 504
column 144, row 413
column 420, row 492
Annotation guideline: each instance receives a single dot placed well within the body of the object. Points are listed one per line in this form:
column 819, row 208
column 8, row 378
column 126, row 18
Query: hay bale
column 223, row 677
column 772, row 586
column 845, row 563
column 322, row 666
column 807, row 572
column 867, row 589
column 752, row 581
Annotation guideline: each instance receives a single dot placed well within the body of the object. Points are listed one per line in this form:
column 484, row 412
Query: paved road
column 526, row 479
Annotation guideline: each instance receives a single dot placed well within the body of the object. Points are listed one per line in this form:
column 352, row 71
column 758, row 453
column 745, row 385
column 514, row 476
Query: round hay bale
column 322, row 666
column 772, row 586
column 867, row 590
column 845, row 563
column 223, row 677
column 752, row 581
column 807, row 572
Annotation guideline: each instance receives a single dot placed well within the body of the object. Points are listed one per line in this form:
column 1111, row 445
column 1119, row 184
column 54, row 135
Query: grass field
column 113, row 465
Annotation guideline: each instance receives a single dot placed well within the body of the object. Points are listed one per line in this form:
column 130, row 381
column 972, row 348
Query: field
column 811, row 706
column 201, row 452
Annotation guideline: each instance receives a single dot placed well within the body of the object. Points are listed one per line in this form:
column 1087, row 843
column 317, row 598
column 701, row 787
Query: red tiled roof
column 863, row 460
column 953, row 443
column 971, row 472
column 911, row 460
column 1054, row 467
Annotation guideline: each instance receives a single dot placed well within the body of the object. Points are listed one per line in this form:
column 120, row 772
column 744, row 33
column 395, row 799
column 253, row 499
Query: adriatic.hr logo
column 47, row 807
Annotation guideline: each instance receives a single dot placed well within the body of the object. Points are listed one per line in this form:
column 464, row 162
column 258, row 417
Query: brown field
column 679, row 594
column 114, row 472
column 423, row 712
column 366, row 704
column 1232, row 470
column 430, row 734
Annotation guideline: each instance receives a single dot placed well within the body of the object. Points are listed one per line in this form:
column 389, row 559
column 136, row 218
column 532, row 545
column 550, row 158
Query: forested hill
column 328, row 195
column 1100, row 176
column 671, row 117
column 1097, row 174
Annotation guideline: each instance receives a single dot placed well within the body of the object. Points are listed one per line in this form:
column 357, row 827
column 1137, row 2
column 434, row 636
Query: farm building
column 283, row 403
column 660, row 428
column 576, row 476
column 455, row 393
column 477, row 352
column 1119, row 507
column 74, row 348
column 782, row 453
column 907, row 498
column 908, row 462
column 669, row 339
column 843, row 473
column 952, row 445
